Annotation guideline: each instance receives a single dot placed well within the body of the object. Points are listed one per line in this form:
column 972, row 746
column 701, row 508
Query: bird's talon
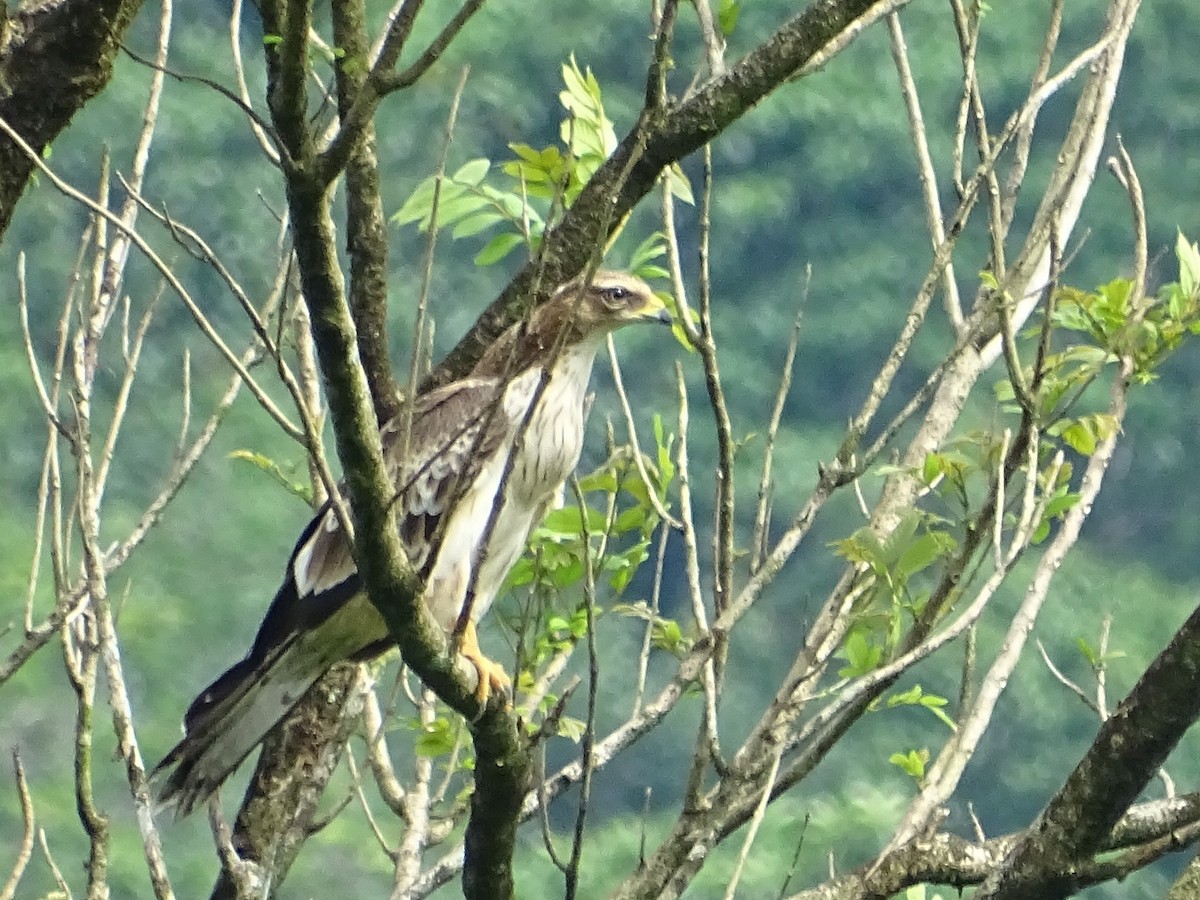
column 492, row 676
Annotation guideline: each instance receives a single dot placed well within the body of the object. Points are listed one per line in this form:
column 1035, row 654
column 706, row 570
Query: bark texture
column 55, row 56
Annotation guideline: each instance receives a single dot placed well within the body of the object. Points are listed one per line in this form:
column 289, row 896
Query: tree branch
column 280, row 805
column 366, row 227
column 1158, row 828
column 1133, row 743
column 655, row 142
column 54, row 57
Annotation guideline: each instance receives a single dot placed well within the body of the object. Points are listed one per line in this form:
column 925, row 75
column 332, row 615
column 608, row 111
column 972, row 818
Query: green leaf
column 418, row 204
column 653, row 247
column 472, row 224
column 861, row 547
column 527, row 153
column 639, row 610
column 913, row 762
column 629, row 519
column 924, row 552
column 932, row 467
column 1060, row 504
column 472, row 173
column 727, row 16
column 860, row 654
column 579, row 622
column 905, row 698
column 570, row 727
column 666, row 466
column 602, row 479
column 679, row 184
column 498, row 248
column 1089, row 653
column 567, row 520
column 436, row 738
column 586, row 130
column 522, row 573
column 1189, row 264
column 567, row 575
column 284, row 475
column 460, row 195
column 454, row 204
column 1040, row 533
column 1079, row 437
column 625, row 565
column 667, row 635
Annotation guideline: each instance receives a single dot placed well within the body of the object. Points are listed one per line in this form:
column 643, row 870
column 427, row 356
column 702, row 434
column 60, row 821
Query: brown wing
column 321, row 577
column 454, row 430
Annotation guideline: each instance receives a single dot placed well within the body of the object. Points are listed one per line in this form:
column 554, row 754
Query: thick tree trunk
column 55, row 56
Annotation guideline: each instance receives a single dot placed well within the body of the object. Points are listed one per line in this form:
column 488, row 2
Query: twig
column 928, row 178
column 382, row 81
column 1102, row 667
column 968, row 37
column 723, row 546
column 262, row 131
column 357, row 787
column 25, row 851
column 417, row 803
column 758, row 542
column 1122, row 167
column 588, row 740
column 656, row 74
column 1067, row 682
column 120, row 403
column 714, row 43
column 795, row 858
column 427, row 267
column 707, row 738
column 390, row 789
column 544, row 814
column 1024, row 138
column 639, row 462
column 53, row 866
column 251, row 878
column 660, row 556
column 760, row 812
column 201, row 320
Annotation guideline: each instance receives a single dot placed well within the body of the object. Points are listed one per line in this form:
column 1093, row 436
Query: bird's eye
column 615, row 295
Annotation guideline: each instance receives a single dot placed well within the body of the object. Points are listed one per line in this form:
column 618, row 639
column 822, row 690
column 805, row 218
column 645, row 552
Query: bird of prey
column 451, row 467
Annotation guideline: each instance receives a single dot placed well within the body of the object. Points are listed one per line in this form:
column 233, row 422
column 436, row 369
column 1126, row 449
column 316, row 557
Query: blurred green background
column 821, row 174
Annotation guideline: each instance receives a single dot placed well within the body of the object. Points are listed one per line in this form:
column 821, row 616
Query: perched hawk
column 448, row 477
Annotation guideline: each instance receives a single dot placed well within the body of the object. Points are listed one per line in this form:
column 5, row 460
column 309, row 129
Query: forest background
column 823, row 176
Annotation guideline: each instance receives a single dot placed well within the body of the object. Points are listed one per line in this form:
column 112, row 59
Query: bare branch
column 201, row 320
column 25, row 851
column 929, row 186
column 758, row 543
column 942, row 777
column 1150, row 831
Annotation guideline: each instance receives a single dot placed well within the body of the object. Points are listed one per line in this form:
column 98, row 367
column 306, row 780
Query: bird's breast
column 547, row 452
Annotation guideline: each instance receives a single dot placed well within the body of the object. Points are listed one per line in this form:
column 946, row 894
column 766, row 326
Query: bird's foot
column 492, row 676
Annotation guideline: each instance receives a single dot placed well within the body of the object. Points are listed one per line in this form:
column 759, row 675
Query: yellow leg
column 491, row 674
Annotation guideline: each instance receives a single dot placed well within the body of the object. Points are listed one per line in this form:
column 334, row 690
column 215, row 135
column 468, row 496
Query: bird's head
column 577, row 313
column 610, row 300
